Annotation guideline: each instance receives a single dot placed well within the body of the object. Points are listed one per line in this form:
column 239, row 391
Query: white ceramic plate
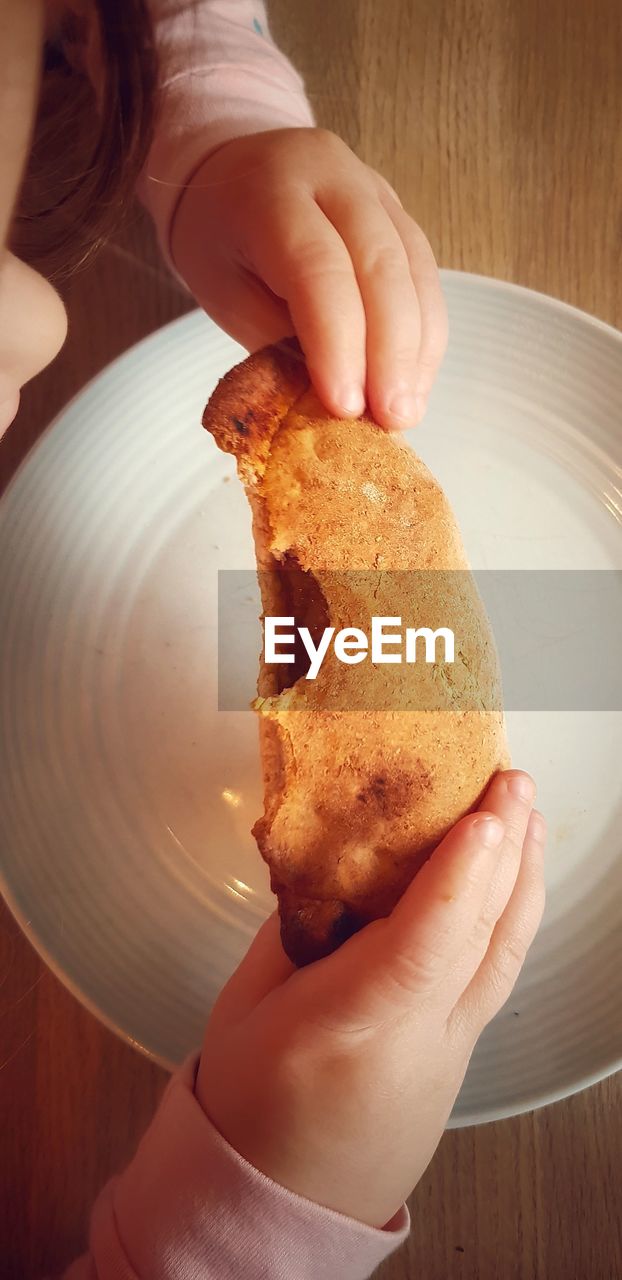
column 126, row 798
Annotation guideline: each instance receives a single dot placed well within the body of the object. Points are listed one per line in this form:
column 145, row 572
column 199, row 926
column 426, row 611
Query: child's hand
column 337, row 1080
column 288, row 232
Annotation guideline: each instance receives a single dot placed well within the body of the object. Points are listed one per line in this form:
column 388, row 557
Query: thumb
column 242, row 305
column 393, row 963
column 264, row 967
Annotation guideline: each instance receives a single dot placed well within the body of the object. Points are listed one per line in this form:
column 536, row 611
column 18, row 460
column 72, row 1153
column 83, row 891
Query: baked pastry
column 367, row 766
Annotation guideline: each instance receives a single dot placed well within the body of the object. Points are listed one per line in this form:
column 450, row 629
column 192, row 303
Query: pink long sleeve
column 188, row 1207
column 221, row 76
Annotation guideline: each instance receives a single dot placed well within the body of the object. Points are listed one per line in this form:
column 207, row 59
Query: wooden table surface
column 500, row 124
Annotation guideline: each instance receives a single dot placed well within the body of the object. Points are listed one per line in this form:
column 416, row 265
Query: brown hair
column 87, row 155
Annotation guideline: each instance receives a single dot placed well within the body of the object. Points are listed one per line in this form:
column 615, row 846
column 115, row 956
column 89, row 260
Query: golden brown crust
column 249, row 403
column 355, row 799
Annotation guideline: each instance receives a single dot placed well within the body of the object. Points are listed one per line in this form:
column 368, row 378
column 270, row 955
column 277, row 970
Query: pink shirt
column 189, row 1207
column 222, row 76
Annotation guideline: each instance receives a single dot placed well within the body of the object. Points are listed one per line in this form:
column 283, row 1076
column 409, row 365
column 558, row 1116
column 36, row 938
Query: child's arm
column 221, row 77
column 334, row 1081
column 277, row 227
column 189, row 1206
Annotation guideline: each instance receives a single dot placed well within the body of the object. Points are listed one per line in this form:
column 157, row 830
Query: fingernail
column 490, row 830
column 352, row 400
column 521, row 787
column 537, row 827
column 404, row 408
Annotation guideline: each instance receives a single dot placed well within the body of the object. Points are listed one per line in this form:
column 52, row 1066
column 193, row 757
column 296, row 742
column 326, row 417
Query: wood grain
column 499, row 124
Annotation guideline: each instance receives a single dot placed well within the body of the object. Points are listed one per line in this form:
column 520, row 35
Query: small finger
column 264, row 967
column 243, row 306
column 511, row 938
column 510, row 796
column 432, row 306
column 253, row 315
column 308, row 266
column 392, row 315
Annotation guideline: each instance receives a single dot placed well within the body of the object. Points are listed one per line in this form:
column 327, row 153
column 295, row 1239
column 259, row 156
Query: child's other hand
column 337, row 1080
column 288, row 232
